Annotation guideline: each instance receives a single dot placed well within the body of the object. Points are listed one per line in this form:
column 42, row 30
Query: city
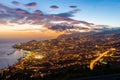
column 45, row 59
column 59, row 40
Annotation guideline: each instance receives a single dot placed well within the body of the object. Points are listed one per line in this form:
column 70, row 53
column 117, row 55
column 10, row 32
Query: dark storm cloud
column 73, row 6
column 15, row 3
column 68, row 14
column 31, row 5
column 54, row 7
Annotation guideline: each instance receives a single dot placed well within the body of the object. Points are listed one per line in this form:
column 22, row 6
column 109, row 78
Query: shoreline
column 18, row 60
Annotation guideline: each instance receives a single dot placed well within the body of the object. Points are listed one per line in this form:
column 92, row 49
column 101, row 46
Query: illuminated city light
column 39, row 56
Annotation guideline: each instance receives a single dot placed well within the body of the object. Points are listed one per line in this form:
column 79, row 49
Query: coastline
column 23, row 52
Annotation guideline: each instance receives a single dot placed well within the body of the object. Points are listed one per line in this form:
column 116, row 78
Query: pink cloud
column 38, row 12
column 15, row 3
column 31, row 5
column 54, row 7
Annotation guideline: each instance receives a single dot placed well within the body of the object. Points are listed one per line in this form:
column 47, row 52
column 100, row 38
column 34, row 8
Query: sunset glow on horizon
column 52, row 18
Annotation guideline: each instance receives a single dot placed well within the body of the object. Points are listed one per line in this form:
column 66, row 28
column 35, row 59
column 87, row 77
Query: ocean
column 6, row 58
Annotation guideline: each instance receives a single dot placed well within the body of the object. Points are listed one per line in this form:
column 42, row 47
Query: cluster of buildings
column 62, row 55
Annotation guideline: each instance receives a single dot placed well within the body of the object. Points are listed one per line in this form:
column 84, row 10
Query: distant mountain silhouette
column 102, row 33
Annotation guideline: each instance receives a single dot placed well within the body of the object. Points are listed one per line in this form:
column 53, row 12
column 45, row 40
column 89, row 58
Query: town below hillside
column 64, row 58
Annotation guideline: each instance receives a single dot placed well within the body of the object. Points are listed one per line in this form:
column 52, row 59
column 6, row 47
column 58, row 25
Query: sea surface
column 9, row 55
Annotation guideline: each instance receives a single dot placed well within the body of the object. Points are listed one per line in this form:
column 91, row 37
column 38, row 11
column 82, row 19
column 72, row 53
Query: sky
column 34, row 15
column 94, row 11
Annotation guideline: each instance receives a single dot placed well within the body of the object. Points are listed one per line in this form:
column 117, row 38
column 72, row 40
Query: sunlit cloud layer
column 27, row 17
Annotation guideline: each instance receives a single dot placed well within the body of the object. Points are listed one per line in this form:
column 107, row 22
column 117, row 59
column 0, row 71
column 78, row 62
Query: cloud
column 76, row 10
column 15, row 3
column 68, row 14
column 55, row 22
column 68, row 28
column 73, row 7
column 38, row 12
column 21, row 11
column 60, row 27
column 3, row 22
column 31, row 30
column 54, row 7
column 8, row 14
column 31, row 5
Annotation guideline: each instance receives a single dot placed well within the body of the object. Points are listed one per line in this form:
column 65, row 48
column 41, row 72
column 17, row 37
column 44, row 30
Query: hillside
column 75, row 54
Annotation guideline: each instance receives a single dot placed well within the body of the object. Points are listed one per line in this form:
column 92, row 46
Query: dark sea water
column 6, row 48
column 8, row 60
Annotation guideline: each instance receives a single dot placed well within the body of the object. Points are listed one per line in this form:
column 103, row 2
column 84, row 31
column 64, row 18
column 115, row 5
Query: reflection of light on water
column 39, row 56
column 11, row 58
